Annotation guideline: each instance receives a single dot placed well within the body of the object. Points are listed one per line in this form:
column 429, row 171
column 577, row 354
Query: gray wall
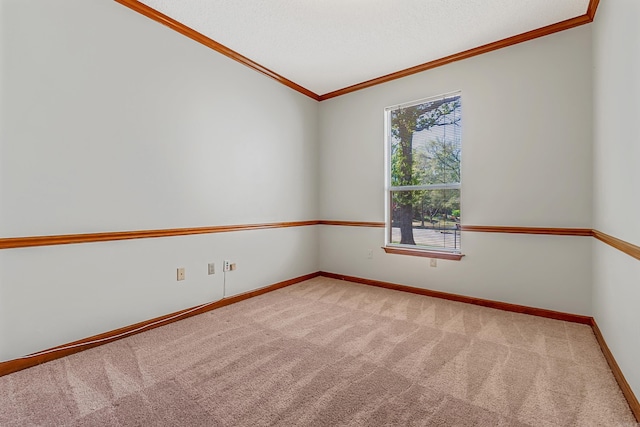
column 526, row 161
column 113, row 122
column 616, row 276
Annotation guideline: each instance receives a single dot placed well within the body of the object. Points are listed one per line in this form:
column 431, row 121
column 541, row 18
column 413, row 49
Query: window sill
column 423, row 253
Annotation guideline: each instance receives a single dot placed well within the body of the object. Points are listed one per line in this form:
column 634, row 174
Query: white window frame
column 406, row 249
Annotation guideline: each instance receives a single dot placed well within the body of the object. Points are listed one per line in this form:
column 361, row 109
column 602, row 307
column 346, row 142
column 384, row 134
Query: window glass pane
column 426, row 218
column 425, row 143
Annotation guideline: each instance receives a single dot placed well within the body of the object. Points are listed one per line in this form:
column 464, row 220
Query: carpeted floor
column 330, row 353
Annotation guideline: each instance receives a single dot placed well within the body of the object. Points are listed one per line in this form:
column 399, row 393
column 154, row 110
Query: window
column 423, row 175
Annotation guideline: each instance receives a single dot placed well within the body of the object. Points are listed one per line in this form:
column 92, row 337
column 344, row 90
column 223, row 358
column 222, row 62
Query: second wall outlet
column 228, row 266
column 211, row 268
column 181, row 273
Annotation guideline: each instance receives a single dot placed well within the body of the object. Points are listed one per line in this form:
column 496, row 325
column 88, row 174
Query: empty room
column 322, row 213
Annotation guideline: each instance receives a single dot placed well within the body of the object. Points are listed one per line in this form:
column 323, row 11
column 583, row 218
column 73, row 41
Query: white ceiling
column 326, row 45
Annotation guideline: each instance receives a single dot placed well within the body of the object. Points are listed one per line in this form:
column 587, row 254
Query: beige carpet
column 330, row 353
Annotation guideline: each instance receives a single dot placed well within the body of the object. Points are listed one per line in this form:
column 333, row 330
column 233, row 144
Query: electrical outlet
column 433, row 262
column 211, row 268
column 226, row 265
column 181, row 273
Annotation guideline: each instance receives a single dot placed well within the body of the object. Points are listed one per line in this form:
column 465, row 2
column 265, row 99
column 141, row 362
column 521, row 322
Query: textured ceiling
column 326, row 45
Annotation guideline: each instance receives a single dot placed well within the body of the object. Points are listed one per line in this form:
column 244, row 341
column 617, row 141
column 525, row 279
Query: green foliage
column 437, row 205
column 438, row 162
column 399, row 163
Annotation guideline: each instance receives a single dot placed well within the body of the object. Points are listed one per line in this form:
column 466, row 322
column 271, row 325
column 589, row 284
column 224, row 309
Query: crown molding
column 509, row 41
column 592, row 8
column 149, row 12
